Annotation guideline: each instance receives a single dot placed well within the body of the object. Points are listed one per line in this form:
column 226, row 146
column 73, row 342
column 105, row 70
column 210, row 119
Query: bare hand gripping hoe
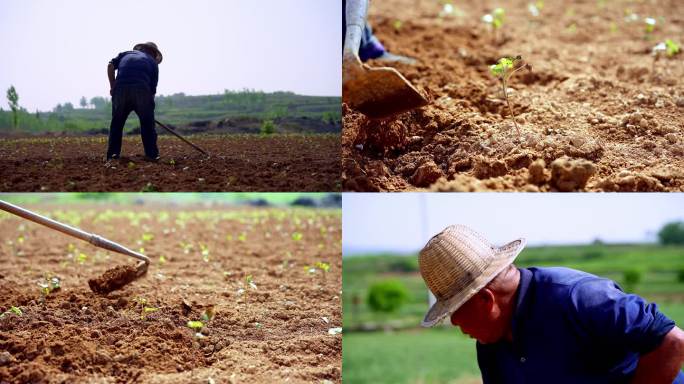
column 112, row 279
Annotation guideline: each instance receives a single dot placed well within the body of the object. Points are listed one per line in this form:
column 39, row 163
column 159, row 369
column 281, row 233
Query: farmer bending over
column 546, row 325
column 133, row 90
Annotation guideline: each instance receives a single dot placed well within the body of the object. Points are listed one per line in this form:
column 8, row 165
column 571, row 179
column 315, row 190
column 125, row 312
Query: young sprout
column 672, row 48
column 397, row 25
column 205, row 252
column 297, row 236
column 195, row 325
column 503, row 70
column 250, row 282
column 208, row 314
column 669, row 48
column 13, row 310
column 495, row 20
column 323, row 266
column 147, row 310
column 535, row 8
column 650, row 25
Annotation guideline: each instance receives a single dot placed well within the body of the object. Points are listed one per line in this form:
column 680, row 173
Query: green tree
column 83, row 102
column 672, row 233
column 267, row 127
column 13, row 100
column 98, row 102
column 387, row 296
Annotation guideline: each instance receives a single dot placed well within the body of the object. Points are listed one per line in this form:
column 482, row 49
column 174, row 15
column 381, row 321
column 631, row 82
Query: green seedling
column 495, row 20
column 650, row 26
column 205, row 252
column 147, row 237
column 208, row 314
column 12, row 311
column 503, row 70
column 147, row 310
column 397, row 25
column 140, row 301
column 325, row 267
column 250, row 282
column 672, row 48
column 297, row 236
column 49, row 284
column 669, row 48
column 197, row 325
column 162, row 259
column 242, row 237
column 535, row 8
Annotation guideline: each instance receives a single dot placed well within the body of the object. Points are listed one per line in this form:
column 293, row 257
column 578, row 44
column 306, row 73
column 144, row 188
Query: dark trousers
column 125, row 100
column 370, row 47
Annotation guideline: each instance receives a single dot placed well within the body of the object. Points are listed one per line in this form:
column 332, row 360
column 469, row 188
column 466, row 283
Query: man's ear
column 486, row 298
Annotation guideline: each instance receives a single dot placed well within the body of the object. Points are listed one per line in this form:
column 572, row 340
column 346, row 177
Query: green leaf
column 195, row 324
column 672, row 47
column 297, row 236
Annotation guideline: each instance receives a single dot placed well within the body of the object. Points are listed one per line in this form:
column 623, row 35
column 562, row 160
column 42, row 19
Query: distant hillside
column 241, row 111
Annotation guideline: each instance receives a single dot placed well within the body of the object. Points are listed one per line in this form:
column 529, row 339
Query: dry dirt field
column 596, row 113
column 265, row 283
column 298, row 163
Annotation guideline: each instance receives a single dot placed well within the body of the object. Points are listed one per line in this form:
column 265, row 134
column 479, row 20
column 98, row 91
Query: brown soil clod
column 113, row 279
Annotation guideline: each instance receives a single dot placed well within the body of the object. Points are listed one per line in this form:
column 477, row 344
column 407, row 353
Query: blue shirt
column 573, row 327
column 136, row 68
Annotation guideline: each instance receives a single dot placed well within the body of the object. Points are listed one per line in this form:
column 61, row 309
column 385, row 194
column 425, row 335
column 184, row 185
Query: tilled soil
column 276, row 329
column 595, row 113
column 237, row 163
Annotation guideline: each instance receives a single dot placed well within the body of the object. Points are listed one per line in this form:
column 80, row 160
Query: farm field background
column 265, row 282
column 596, row 112
column 391, row 348
column 238, row 162
column 231, row 112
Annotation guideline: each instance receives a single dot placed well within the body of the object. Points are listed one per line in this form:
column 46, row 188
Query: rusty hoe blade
column 381, row 92
column 112, row 279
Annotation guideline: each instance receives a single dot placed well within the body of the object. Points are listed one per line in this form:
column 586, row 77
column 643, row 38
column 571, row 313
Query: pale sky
column 403, row 222
column 57, row 51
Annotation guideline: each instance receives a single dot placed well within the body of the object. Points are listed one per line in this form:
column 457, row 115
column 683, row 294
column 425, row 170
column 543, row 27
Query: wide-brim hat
column 153, row 47
column 457, row 263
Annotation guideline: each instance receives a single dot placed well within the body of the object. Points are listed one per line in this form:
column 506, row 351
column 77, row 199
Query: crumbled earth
column 275, row 330
column 595, row 96
column 278, row 163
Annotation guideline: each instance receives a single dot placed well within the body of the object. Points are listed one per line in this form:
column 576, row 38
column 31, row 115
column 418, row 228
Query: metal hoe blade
column 112, row 279
column 381, row 92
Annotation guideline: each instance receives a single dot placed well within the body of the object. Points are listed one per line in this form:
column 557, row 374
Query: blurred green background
column 236, row 198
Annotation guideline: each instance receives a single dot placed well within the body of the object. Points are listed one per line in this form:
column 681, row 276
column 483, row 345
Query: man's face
column 480, row 318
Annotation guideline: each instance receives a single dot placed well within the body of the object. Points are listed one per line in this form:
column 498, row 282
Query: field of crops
column 445, row 355
column 241, row 294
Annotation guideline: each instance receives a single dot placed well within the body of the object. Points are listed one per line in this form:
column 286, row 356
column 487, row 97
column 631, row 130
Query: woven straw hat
column 457, row 263
column 150, row 45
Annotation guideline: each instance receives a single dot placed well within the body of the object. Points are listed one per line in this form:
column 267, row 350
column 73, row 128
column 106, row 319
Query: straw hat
column 152, row 46
column 457, row 263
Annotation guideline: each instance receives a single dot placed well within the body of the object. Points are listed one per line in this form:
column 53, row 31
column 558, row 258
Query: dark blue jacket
column 573, row 327
column 136, row 68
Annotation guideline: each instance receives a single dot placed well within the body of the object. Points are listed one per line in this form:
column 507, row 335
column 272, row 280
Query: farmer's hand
column 663, row 363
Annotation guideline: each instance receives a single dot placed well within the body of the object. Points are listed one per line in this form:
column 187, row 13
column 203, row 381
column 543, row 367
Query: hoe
column 112, row 279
